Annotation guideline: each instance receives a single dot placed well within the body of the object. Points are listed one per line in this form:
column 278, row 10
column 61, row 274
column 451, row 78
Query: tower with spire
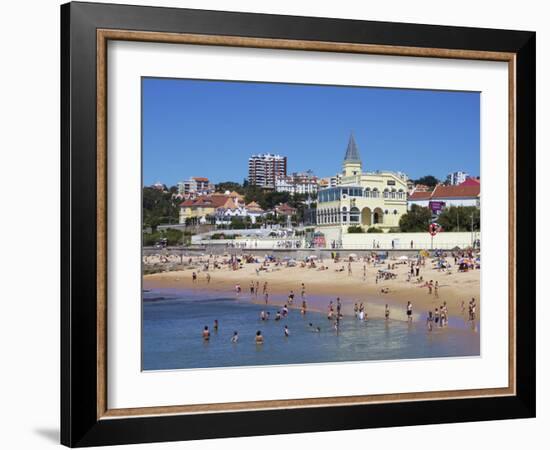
column 352, row 161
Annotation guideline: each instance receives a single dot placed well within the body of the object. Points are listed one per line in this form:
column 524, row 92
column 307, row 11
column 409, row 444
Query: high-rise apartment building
column 263, row 169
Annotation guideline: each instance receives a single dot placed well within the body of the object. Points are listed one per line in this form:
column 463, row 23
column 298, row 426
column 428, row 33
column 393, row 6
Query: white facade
column 224, row 215
column 195, row 185
column 456, row 178
column 297, row 183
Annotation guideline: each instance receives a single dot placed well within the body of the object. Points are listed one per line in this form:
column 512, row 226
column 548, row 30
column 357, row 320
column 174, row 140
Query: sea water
column 173, row 322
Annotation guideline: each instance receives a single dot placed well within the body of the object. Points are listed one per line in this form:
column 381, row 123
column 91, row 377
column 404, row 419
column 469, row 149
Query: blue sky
column 210, row 128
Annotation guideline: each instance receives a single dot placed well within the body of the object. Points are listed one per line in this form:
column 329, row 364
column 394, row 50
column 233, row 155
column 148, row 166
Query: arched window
column 386, row 193
column 344, row 214
column 401, row 194
column 386, row 211
column 367, row 192
column 375, row 193
column 393, row 193
column 395, row 211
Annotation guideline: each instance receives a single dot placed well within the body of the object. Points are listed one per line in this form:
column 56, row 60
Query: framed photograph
column 277, row 224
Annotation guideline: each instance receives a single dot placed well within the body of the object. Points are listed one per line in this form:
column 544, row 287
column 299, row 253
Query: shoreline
column 329, row 284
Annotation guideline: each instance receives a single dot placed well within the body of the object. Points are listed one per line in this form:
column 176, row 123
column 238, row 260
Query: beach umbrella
column 353, row 255
column 313, row 257
column 403, row 258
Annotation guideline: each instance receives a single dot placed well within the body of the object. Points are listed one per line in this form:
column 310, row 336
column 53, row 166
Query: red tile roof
column 420, row 195
column 200, row 179
column 214, row 201
column 459, row 191
column 464, row 190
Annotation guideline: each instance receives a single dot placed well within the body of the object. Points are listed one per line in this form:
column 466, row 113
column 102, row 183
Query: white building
column 195, row 186
column 252, row 210
column 465, row 194
column 264, row 169
column 297, row 183
column 456, row 178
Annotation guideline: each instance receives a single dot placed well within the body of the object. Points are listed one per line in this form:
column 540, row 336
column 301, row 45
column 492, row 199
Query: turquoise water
column 173, row 322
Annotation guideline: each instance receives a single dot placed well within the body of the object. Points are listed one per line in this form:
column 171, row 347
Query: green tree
column 374, row 230
column 229, row 186
column 459, row 218
column 428, row 180
column 417, row 219
column 159, row 207
column 355, row 229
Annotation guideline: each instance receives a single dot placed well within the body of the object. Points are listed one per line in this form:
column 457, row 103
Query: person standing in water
column 429, row 321
column 387, row 312
column 216, row 325
column 235, row 337
column 259, row 338
column 206, row 333
column 287, row 333
column 409, row 311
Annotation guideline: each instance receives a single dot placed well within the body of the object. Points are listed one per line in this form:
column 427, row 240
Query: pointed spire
column 352, row 152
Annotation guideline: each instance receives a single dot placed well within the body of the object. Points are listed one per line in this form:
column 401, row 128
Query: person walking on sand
column 265, row 288
column 364, row 272
column 303, row 293
column 206, row 333
column 252, row 288
column 259, row 338
column 208, row 278
column 235, row 337
column 194, row 277
column 436, row 289
column 349, row 268
column 409, row 311
column 430, row 287
column 266, row 298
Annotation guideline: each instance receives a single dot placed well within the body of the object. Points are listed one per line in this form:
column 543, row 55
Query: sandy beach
column 324, row 285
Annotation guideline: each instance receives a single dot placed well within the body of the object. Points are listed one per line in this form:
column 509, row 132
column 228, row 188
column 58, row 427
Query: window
column 395, row 211
column 375, row 193
column 386, row 193
column 354, row 215
column 367, row 192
